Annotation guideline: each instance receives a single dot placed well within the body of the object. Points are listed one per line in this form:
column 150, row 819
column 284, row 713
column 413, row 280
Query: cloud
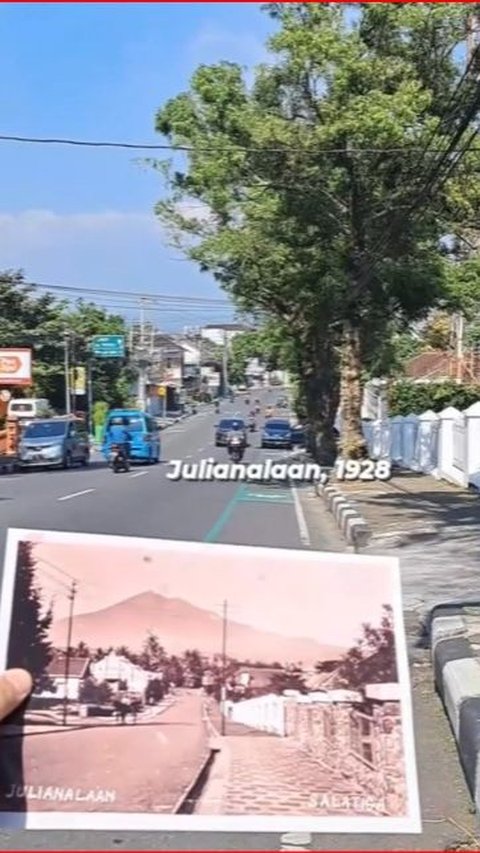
column 213, row 44
column 42, row 229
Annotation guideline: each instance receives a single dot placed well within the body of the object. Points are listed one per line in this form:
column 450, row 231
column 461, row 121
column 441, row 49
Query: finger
column 15, row 686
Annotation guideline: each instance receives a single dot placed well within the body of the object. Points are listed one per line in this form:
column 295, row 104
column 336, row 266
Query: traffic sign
column 108, row 346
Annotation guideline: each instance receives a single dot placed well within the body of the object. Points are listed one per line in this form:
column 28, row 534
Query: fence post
column 446, row 469
column 410, row 427
column 472, row 417
column 426, row 454
column 396, row 445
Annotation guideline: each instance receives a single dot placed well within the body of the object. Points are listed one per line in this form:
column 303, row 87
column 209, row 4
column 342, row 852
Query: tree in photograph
column 124, row 652
column 173, row 671
column 155, row 691
column 372, row 660
column 323, row 188
column 194, row 665
column 153, row 656
column 95, row 693
column 289, row 679
column 30, row 647
column 81, row 650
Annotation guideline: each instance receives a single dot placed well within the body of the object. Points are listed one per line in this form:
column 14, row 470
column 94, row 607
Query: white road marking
column 138, row 474
column 301, row 521
column 76, row 495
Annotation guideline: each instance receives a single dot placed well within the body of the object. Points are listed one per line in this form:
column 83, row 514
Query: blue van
column 144, row 435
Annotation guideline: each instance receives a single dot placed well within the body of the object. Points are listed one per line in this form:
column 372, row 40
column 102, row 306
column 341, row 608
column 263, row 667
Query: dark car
column 277, row 434
column 225, row 427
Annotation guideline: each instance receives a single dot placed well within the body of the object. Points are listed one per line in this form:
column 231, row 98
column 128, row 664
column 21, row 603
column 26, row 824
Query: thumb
column 15, row 686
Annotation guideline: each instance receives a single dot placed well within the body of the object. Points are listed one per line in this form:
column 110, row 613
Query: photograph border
column 410, row 824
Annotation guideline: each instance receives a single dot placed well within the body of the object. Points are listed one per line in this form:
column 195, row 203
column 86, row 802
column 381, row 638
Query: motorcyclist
column 217, row 407
column 118, row 434
column 237, row 430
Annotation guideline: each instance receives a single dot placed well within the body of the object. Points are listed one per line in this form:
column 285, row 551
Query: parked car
column 277, row 433
column 225, row 427
column 29, row 408
column 145, row 445
column 58, row 442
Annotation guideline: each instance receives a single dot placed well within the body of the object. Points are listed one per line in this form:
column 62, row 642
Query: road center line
column 301, row 521
column 76, row 495
column 138, row 474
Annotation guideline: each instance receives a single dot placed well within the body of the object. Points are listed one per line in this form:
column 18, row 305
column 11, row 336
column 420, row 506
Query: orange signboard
column 15, row 366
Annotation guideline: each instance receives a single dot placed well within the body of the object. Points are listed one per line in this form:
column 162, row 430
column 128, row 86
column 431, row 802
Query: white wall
column 444, row 444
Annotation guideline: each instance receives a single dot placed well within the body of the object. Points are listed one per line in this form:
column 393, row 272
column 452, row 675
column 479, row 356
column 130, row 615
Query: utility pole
column 91, row 430
column 68, row 402
column 142, row 364
column 459, row 354
column 71, row 597
column 225, row 363
column 224, row 664
column 74, row 373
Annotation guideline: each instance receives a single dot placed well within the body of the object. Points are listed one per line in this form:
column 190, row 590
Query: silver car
column 54, row 443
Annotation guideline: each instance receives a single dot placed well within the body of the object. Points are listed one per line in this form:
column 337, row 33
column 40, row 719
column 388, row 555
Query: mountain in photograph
column 180, row 626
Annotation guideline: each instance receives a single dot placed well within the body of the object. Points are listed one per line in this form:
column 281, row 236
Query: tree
column 155, row 691
column 194, row 665
column 81, row 650
column 31, row 319
column 289, row 679
column 372, row 660
column 30, row 647
column 95, row 693
column 153, row 657
column 124, row 652
column 320, row 211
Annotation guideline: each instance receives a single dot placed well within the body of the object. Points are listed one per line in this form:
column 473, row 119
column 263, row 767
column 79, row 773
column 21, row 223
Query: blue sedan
column 277, row 434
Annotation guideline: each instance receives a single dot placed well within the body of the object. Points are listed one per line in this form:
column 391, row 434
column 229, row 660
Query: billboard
column 15, row 366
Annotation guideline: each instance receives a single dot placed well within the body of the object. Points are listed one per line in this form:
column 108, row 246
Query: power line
column 192, row 301
column 140, row 146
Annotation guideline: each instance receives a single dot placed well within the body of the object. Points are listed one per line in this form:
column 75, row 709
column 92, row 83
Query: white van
column 28, row 408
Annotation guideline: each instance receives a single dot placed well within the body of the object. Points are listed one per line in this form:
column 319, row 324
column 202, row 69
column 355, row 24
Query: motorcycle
column 118, row 459
column 236, row 448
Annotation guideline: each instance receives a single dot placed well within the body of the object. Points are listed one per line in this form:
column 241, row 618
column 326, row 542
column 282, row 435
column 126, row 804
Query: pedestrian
column 15, row 686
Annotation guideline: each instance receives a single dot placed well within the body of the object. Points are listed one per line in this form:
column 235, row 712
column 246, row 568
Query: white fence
column 446, row 444
column 266, row 713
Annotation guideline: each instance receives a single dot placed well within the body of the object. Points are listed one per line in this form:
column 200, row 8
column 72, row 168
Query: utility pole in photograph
column 223, row 698
column 71, row 597
column 68, row 401
column 143, row 358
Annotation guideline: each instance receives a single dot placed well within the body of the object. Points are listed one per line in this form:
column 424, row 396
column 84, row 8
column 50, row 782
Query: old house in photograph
column 121, row 674
column 66, row 678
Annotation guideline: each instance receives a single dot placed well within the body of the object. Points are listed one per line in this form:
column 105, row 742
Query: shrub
column 407, row 398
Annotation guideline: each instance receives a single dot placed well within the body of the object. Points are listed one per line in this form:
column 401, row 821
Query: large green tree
column 39, row 320
column 328, row 183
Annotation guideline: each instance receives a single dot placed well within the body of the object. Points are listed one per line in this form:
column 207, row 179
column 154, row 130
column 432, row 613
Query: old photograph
column 188, row 686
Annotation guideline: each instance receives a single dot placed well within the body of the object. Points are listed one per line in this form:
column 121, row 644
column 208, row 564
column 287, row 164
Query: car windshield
column 278, row 425
column 21, row 407
column 231, row 424
column 46, row 429
column 132, row 424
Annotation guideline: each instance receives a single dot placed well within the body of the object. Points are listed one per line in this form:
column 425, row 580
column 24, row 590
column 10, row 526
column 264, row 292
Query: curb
column 349, row 521
column 457, row 681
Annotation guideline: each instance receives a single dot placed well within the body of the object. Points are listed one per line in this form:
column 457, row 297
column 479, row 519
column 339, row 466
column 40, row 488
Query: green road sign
column 108, row 346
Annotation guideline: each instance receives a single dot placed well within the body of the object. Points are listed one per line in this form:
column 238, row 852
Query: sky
column 84, row 217
column 324, row 598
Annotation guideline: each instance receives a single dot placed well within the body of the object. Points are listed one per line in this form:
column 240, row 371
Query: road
column 146, row 503
column 173, row 746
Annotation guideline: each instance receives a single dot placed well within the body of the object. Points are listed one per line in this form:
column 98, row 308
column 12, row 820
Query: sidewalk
column 432, row 526
column 262, row 774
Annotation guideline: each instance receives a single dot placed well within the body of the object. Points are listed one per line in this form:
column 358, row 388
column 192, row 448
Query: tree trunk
column 320, row 392
column 352, row 442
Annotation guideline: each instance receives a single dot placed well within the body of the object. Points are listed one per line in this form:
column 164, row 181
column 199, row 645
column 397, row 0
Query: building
column 441, row 366
column 78, row 671
column 223, row 333
column 121, row 673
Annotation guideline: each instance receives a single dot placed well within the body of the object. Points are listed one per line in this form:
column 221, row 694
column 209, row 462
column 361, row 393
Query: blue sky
column 100, row 71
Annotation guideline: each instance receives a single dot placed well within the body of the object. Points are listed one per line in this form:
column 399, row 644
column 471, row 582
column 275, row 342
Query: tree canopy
column 39, row 320
column 327, row 183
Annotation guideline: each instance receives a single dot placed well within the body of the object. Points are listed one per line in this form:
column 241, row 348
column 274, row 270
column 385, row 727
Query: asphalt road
column 146, row 503
column 94, row 760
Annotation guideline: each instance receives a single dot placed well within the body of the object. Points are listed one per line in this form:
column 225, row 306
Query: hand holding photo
column 188, row 686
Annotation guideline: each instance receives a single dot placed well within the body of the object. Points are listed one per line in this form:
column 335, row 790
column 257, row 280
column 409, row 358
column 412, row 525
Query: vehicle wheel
column 67, row 462
column 85, row 461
